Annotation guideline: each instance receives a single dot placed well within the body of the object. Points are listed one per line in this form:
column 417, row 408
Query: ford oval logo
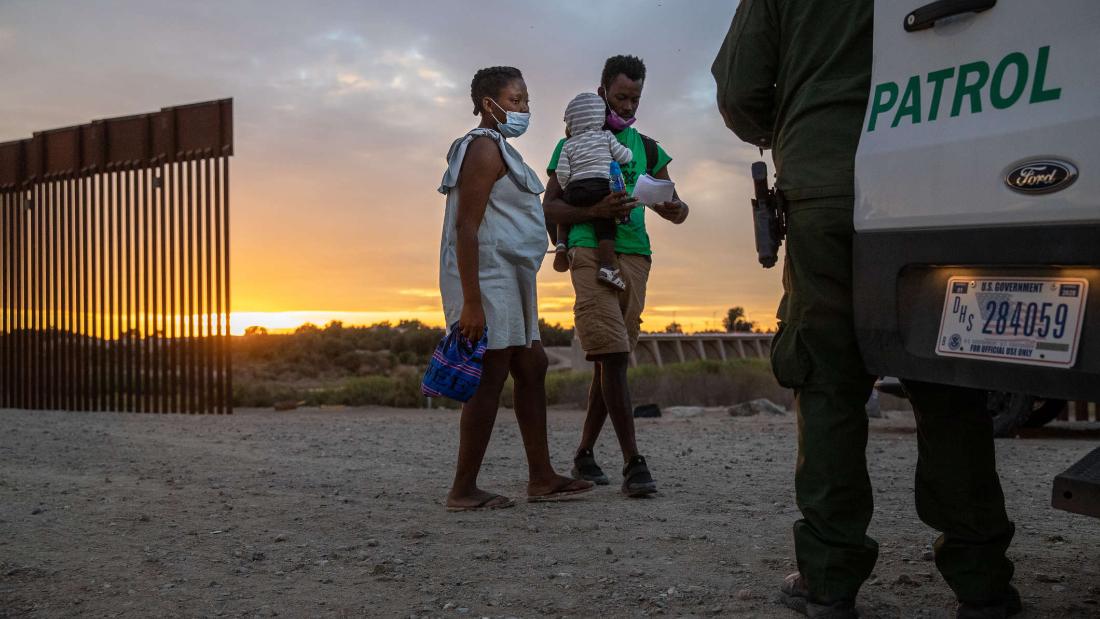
column 1041, row 176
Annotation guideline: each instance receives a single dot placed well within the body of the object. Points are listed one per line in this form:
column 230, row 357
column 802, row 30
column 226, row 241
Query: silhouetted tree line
column 733, row 322
column 334, row 351
column 555, row 334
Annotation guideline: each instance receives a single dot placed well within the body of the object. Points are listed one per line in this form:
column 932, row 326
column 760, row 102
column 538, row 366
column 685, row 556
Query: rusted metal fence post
column 114, row 264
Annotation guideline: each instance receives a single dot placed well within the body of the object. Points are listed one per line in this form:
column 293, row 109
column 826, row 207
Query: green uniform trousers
column 815, row 353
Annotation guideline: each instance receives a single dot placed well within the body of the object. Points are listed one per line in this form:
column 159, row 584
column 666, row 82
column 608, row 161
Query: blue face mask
column 515, row 123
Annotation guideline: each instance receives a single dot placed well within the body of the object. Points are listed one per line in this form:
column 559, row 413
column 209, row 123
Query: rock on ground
column 760, row 406
column 682, row 412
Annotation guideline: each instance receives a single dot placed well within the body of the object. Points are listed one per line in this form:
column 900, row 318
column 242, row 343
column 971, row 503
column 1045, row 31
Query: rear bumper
column 1077, row 490
column 900, row 278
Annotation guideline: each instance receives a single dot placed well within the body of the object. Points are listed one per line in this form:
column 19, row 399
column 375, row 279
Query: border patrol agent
column 793, row 76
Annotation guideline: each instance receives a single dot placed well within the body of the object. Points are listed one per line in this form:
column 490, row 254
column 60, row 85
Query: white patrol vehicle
column 977, row 213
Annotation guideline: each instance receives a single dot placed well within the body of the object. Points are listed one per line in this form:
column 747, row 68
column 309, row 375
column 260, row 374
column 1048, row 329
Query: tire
column 1009, row 411
column 1012, row 411
column 1045, row 411
column 891, row 386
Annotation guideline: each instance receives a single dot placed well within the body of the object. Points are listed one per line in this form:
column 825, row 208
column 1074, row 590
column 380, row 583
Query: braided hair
column 488, row 82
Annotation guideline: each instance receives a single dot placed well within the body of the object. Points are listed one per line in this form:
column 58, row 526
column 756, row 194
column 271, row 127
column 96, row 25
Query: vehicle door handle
column 926, row 16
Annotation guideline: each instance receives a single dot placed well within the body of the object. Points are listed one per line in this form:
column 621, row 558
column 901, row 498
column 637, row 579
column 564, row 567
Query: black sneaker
column 1008, row 606
column 795, row 595
column 637, row 482
column 585, row 467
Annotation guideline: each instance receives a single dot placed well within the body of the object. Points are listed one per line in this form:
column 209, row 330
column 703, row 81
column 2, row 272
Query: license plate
column 1033, row 321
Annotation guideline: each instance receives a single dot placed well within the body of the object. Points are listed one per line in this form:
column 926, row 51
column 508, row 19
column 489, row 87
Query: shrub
column 402, row 389
column 263, row 393
column 365, row 390
column 697, row 383
column 570, row 387
column 707, row 383
column 554, row 334
column 312, row 354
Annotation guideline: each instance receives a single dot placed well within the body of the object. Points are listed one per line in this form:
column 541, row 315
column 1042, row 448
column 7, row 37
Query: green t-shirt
column 630, row 238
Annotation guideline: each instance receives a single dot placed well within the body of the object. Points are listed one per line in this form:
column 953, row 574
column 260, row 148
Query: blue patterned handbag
column 455, row 368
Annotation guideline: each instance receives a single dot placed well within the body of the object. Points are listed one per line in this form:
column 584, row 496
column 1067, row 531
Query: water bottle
column 617, row 184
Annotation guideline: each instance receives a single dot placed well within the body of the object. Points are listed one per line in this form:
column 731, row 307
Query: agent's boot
column 796, row 596
column 1007, row 606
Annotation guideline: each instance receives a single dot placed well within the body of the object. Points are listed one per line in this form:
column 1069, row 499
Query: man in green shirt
column 607, row 321
column 794, row 76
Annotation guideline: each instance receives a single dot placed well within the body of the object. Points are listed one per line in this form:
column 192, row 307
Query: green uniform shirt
column 630, row 238
column 794, row 76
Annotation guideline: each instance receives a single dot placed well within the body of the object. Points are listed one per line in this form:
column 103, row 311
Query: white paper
column 650, row 191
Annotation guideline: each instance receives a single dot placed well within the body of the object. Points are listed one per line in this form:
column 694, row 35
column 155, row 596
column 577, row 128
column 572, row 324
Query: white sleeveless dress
column 511, row 242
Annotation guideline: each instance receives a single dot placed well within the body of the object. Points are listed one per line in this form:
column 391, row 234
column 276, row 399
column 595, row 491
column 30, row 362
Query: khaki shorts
column 607, row 321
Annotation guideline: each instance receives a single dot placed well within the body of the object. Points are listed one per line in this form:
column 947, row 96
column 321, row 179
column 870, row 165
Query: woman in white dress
column 492, row 247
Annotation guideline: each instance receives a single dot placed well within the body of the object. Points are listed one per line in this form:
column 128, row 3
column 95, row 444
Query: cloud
column 669, row 309
column 344, row 111
column 353, row 82
column 347, row 71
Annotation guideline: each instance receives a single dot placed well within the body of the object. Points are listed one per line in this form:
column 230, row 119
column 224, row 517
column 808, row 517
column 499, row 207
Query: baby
column 583, row 172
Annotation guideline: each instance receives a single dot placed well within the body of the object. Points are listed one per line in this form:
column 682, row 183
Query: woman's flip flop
column 496, row 501
column 561, row 493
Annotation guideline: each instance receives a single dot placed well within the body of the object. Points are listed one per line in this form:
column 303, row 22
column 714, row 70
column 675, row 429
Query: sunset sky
column 344, row 112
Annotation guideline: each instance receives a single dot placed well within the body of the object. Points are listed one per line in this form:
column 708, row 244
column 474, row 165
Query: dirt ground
column 338, row 512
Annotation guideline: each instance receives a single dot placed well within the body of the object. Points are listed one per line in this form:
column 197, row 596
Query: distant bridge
column 664, row 348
